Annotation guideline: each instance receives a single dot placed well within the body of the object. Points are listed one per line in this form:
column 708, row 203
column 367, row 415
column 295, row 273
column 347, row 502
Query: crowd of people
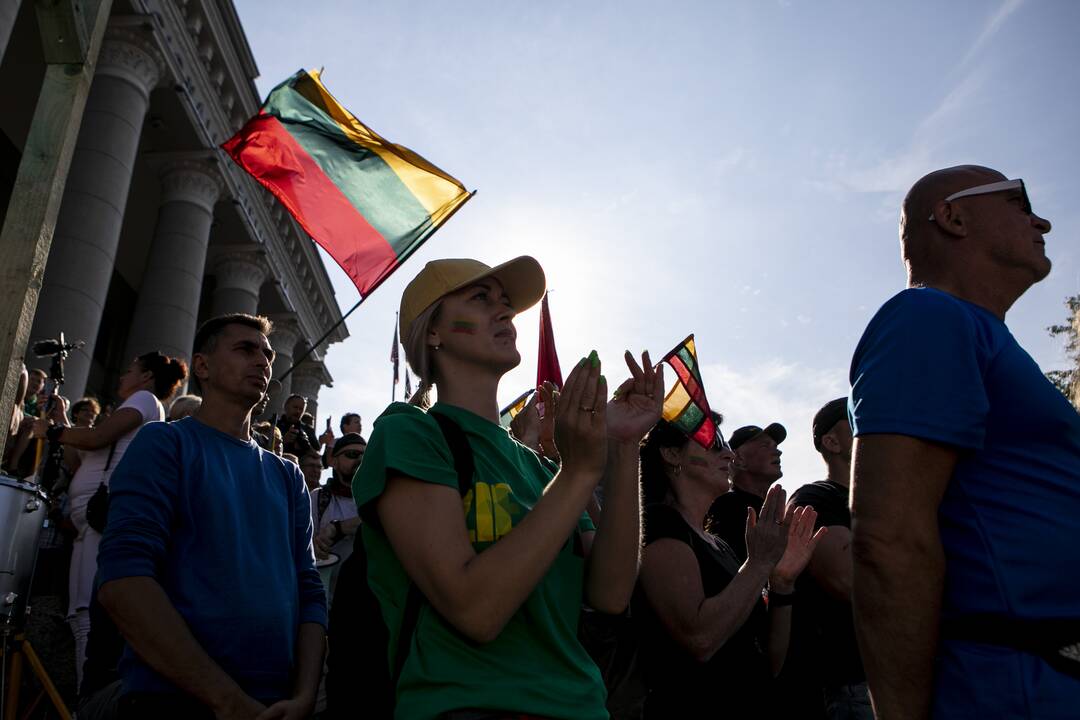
column 592, row 560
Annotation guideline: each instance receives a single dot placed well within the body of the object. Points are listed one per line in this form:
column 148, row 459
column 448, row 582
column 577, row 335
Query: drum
column 23, row 509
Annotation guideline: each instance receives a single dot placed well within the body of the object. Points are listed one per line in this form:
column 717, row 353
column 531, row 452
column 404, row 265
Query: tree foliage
column 1068, row 381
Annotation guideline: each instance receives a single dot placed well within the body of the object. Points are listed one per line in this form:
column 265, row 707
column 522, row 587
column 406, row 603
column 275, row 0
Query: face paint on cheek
column 463, row 327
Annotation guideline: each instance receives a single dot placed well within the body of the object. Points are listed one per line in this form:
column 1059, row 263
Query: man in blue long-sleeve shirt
column 206, row 563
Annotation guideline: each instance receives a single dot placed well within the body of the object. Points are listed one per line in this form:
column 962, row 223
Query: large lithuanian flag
column 366, row 201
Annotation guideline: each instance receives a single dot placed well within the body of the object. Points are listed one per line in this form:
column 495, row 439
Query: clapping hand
column 525, row 427
column 535, row 430
column 767, row 532
column 580, row 419
column 549, row 400
column 801, row 541
column 639, row 401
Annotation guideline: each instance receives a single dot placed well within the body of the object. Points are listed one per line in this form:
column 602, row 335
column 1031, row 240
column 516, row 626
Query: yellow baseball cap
column 522, row 279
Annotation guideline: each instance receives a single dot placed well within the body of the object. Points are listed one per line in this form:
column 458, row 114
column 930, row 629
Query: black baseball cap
column 826, row 418
column 748, row 432
column 348, row 439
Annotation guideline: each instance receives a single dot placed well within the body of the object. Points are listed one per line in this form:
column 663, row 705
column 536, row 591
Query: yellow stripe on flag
column 439, row 193
column 677, row 399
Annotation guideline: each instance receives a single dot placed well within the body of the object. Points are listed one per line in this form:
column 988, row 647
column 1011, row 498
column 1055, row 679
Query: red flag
column 547, row 367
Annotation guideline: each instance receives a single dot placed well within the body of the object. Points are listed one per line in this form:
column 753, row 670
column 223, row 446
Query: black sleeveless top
column 733, row 680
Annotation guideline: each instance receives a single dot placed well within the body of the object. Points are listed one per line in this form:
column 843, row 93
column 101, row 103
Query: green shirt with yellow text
column 536, row 665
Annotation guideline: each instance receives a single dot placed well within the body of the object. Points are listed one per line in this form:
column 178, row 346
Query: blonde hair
column 419, row 355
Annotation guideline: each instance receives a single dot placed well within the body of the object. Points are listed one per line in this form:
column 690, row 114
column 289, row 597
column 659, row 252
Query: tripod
column 15, row 649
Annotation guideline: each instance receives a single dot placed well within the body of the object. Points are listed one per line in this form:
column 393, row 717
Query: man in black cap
column 823, row 648
column 333, row 512
column 757, row 467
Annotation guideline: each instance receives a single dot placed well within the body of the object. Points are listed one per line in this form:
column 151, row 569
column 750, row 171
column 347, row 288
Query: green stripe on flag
column 691, row 363
column 360, row 174
column 690, row 418
column 688, row 358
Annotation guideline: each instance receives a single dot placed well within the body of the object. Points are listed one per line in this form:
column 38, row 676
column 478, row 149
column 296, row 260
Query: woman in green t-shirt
column 504, row 580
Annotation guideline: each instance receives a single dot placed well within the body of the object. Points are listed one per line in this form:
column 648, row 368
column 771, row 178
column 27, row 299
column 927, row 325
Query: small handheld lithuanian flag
column 511, row 411
column 368, row 202
column 686, row 406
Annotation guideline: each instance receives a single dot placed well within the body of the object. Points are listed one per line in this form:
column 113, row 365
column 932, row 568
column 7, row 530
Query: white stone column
column 239, row 276
column 283, row 339
column 9, row 11
column 307, row 379
column 167, row 310
column 87, row 231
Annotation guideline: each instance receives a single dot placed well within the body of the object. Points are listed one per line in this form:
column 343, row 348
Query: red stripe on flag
column 688, row 381
column 706, row 434
column 266, row 150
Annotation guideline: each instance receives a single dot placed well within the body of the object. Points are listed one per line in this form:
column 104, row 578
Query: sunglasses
column 1000, row 186
column 351, row 454
column 719, row 442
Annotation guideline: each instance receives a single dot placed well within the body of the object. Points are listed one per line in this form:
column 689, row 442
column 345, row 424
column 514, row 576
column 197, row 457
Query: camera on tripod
column 45, row 348
column 58, row 350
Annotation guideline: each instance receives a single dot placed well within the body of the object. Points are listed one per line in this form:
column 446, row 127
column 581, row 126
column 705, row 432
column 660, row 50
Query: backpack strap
column 108, row 460
column 465, row 466
column 323, row 503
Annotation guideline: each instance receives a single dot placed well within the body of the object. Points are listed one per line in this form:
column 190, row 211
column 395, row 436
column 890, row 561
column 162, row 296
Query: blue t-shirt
column 225, row 528
column 939, row 368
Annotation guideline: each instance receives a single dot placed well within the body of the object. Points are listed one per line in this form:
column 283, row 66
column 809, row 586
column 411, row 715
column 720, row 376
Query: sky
column 728, row 169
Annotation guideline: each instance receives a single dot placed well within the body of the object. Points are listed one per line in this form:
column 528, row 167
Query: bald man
column 966, row 474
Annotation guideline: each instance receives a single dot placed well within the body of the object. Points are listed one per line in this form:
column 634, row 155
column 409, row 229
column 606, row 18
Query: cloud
column 990, row 28
column 777, row 391
column 895, row 173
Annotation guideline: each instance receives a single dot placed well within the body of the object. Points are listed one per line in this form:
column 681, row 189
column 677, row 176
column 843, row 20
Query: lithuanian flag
column 512, row 410
column 686, row 406
column 366, row 201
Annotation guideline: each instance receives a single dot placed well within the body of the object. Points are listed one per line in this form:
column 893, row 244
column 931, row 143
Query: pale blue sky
column 728, row 169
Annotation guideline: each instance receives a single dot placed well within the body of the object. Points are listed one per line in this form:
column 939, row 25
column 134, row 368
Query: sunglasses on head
column 1000, row 186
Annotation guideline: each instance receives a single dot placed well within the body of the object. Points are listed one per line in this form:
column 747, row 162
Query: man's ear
column 950, row 218
column 199, row 366
column 830, row 443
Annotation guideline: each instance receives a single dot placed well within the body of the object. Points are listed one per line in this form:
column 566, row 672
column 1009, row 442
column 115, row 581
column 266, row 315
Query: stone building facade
column 158, row 229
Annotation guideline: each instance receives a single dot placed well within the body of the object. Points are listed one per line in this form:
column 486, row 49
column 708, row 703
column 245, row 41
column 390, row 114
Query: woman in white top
column 149, row 380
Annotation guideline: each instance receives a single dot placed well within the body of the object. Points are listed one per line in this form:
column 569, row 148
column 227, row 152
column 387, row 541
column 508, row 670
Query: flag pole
column 311, row 348
column 401, row 261
column 394, row 354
